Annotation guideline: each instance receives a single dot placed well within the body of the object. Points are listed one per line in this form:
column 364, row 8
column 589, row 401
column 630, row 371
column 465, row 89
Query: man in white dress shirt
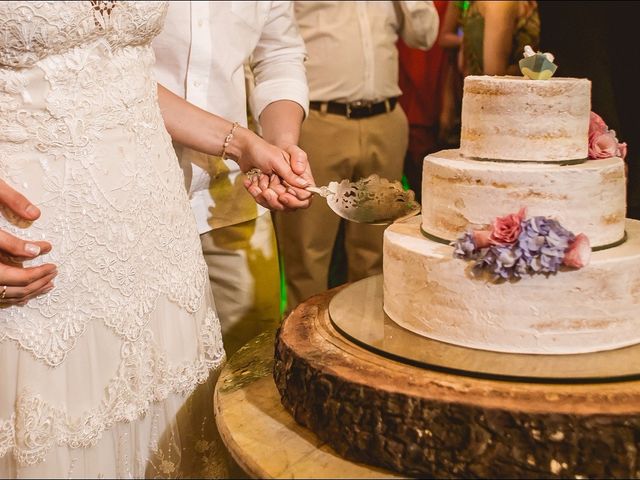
column 355, row 127
column 200, row 56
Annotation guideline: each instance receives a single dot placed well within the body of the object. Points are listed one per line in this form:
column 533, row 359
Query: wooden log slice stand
column 428, row 423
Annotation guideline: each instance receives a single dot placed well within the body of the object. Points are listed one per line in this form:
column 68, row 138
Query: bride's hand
column 286, row 189
column 19, row 284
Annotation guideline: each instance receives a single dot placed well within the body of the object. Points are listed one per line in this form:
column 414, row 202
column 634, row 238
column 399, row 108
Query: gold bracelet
column 228, row 138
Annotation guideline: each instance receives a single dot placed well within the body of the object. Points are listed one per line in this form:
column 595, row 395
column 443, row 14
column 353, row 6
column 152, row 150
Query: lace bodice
column 31, row 31
column 81, row 135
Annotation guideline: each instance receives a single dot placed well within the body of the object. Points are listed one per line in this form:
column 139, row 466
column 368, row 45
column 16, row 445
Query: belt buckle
column 358, row 104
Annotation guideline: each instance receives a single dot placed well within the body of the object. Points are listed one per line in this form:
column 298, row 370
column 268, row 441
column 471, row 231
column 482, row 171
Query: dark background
column 601, row 41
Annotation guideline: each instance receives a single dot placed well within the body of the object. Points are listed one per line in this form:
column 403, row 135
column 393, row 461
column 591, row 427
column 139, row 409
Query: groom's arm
column 279, row 98
column 280, row 122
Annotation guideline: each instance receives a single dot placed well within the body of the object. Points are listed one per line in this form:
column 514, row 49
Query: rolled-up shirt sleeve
column 277, row 62
column 419, row 23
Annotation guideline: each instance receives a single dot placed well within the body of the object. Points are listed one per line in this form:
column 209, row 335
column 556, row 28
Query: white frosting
column 586, row 198
column 595, row 308
column 514, row 118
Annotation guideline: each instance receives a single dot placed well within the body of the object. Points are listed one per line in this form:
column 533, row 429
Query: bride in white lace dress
column 110, row 373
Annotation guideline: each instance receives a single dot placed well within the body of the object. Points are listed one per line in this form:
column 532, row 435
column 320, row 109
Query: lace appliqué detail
column 7, row 435
column 144, row 376
column 30, row 31
column 116, row 213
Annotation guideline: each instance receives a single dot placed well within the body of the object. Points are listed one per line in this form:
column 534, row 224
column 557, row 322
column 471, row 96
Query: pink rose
column 602, row 141
column 482, row 238
column 578, row 253
column 506, row 229
column 622, row 150
column 603, row 145
column 596, row 124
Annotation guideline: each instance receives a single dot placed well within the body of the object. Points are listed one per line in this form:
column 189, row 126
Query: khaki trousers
column 339, row 148
column 245, row 279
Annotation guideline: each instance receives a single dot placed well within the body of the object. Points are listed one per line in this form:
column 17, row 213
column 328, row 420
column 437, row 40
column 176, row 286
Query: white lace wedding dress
column 107, row 375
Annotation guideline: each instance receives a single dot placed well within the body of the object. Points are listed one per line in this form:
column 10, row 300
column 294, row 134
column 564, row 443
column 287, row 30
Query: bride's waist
column 86, row 104
column 92, row 79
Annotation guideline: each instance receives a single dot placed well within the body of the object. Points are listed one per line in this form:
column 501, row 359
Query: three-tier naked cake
column 524, row 147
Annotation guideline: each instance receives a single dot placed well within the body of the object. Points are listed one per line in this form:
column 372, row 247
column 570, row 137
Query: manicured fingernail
column 301, row 182
column 31, row 210
column 32, row 249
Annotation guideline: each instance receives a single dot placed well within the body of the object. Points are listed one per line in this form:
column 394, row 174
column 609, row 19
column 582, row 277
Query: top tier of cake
column 513, row 118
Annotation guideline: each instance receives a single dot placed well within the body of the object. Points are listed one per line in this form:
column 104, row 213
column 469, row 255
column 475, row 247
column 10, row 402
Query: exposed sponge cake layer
column 585, row 198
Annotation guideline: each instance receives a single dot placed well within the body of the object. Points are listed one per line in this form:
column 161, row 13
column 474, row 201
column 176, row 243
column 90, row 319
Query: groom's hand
column 299, row 164
column 294, row 161
column 18, row 284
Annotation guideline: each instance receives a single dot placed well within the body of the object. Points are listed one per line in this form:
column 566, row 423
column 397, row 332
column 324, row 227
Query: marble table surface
column 261, row 435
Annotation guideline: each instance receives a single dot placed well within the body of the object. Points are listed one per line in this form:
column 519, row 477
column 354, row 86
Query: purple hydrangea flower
column 540, row 248
column 465, row 247
column 544, row 242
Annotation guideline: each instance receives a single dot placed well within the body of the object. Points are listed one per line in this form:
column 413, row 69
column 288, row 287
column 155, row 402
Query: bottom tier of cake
column 431, row 293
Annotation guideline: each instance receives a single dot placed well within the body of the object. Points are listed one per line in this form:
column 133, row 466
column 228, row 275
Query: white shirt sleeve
column 277, row 62
column 419, row 23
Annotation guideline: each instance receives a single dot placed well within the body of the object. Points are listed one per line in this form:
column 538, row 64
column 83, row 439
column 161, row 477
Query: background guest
column 355, row 127
column 237, row 235
column 495, row 34
column 450, row 39
column 421, row 79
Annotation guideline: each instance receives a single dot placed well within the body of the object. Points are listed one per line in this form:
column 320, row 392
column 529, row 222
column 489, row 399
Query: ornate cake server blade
column 372, row 200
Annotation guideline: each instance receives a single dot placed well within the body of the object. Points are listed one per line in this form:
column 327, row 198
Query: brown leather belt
column 359, row 109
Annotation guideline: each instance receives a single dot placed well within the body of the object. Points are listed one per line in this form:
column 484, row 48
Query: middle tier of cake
column 460, row 193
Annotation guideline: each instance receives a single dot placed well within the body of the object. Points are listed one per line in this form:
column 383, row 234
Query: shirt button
column 196, row 83
column 200, row 22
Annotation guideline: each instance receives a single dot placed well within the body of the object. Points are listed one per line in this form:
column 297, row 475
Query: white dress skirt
column 111, row 373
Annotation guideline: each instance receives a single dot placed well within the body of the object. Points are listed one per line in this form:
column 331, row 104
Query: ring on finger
column 4, row 292
column 254, row 174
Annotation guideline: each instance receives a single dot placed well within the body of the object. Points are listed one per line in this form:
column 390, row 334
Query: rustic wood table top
column 262, row 437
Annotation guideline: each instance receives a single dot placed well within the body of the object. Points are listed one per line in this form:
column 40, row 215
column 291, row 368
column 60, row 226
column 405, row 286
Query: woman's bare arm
column 205, row 132
column 448, row 37
column 499, row 26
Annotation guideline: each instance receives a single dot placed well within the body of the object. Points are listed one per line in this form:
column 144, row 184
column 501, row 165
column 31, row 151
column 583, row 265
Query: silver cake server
column 372, row 200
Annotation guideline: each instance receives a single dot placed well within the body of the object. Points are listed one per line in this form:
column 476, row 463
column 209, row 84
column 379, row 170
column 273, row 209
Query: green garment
column 527, row 32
